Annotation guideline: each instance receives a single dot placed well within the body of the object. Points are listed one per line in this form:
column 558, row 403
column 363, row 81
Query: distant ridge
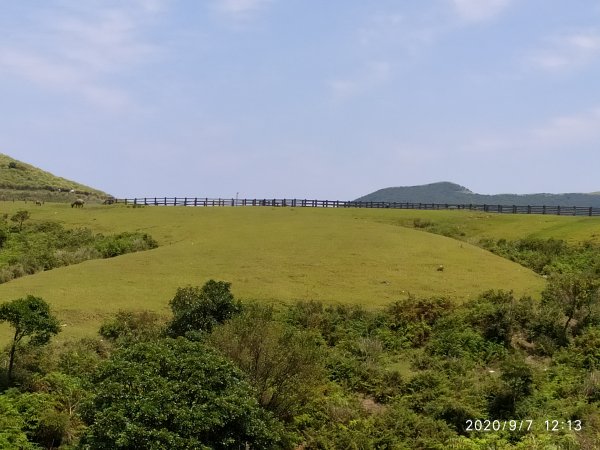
column 22, row 181
column 447, row 192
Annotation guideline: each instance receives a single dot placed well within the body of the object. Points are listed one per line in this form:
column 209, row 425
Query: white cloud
column 568, row 51
column 569, row 130
column 371, row 75
column 563, row 133
column 75, row 51
column 241, row 9
column 479, row 10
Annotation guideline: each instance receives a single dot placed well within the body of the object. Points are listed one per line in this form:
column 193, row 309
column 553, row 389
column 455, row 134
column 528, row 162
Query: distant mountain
column 446, row 192
column 22, row 181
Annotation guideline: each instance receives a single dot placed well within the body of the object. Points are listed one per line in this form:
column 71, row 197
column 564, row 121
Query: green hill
column 269, row 254
column 22, row 181
column 446, row 192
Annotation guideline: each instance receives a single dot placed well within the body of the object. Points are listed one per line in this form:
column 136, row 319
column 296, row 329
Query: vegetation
column 22, row 181
column 30, row 317
column 368, row 367
column 176, row 394
column 416, row 374
column 273, row 255
column 200, row 309
column 445, row 192
column 30, row 247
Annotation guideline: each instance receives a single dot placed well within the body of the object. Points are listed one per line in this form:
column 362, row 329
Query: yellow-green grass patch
column 268, row 254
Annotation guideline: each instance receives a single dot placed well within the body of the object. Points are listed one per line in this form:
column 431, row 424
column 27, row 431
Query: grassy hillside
column 269, row 254
column 446, row 192
column 22, row 181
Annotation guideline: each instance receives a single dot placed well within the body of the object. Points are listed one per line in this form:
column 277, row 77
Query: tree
column 285, row 365
column 12, row 425
column 200, row 309
column 175, row 394
column 576, row 296
column 30, row 316
column 20, row 216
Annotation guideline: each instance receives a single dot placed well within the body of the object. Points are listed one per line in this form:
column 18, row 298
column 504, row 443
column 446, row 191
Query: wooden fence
column 306, row 203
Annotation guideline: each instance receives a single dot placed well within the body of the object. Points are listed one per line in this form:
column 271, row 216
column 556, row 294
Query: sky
column 303, row 98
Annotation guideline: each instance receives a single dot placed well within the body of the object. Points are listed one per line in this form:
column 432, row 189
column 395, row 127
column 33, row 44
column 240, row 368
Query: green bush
column 175, row 394
column 36, row 246
column 199, row 309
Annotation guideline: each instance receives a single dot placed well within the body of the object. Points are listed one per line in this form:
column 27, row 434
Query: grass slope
column 28, row 182
column 269, row 254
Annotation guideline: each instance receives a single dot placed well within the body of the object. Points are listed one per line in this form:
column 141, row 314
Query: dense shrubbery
column 29, row 247
column 408, row 376
column 549, row 256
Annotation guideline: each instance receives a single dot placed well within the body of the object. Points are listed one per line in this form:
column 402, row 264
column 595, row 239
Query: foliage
column 131, row 326
column 577, row 297
column 12, row 426
column 549, row 256
column 31, row 318
column 29, row 178
column 284, row 365
column 197, row 309
column 20, row 217
column 122, row 243
column 176, row 394
column 44, row 245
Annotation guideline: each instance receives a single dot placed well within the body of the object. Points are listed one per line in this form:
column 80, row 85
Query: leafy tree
column 175, row 394
column 577, row 297
column 516, row 383
column 132, row 326
column 12, row 426
column 201, row 308
column 285, row 365
column 19, row 217
column 30, row 316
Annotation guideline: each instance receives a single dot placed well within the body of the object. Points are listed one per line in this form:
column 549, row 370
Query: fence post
column 590, row 211
column 558, row 210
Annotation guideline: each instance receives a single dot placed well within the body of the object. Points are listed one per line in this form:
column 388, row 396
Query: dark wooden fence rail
column 306, row 203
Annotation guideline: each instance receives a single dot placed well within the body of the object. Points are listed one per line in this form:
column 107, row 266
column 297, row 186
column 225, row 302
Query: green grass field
column 357, row 256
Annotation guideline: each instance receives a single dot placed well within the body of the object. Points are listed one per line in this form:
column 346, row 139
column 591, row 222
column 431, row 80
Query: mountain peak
column 447, row 192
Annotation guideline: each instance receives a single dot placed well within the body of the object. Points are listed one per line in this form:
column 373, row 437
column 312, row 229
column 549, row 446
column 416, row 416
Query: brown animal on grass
column 78, row 203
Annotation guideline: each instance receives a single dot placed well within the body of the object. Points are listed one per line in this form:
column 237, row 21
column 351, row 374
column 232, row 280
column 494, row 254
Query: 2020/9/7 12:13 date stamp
column 551, row 425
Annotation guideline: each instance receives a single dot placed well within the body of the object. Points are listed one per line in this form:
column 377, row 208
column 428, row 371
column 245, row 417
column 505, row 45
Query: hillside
column 268, row 254
column 22, row 181
column 446, row 192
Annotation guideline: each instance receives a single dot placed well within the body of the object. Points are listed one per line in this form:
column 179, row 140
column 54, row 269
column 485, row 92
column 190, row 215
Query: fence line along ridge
column 308, row 203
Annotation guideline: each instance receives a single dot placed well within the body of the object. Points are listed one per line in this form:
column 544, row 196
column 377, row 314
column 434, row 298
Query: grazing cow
column 39, row 203
column 78, row 203
column 440, row 268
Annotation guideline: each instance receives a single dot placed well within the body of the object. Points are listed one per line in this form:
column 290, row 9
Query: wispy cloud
column 410, row 34
column 79, row 50
column 569, row 130
column 562, row 133
column 479, row 10
column 241, row 9
column 370, row 76
column 568, row 51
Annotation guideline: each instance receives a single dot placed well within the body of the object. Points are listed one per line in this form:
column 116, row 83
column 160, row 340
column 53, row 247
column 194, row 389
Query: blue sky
column 303, row 98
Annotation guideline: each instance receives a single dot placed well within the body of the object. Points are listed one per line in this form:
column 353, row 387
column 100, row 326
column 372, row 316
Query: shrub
column 199, row 309
column 175, row 394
